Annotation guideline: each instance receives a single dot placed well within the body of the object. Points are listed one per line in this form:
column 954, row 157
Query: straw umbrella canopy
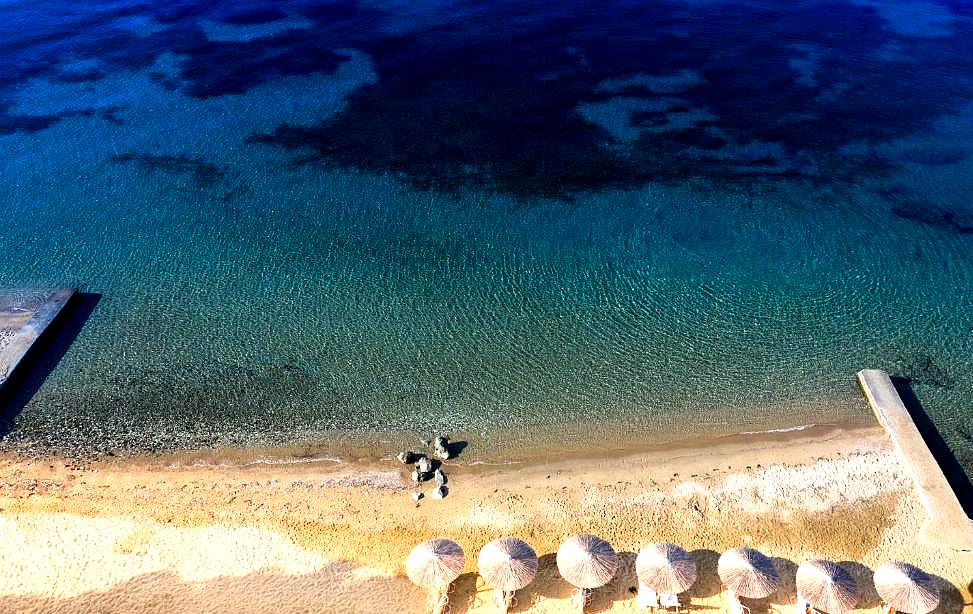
column 435, row 563
column 507, row 563
column 906, row 588
column 747, row 573
column 586, row 561
column 665, row 568
column 827, row 586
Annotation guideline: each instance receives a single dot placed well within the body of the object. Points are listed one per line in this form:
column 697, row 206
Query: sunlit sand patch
column 487, row 516
column 816, row 485
column 119, row 549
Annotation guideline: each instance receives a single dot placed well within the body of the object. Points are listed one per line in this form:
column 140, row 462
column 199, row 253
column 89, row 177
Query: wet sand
column 261, row 532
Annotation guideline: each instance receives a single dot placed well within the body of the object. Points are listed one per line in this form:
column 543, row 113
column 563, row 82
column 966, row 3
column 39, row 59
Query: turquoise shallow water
column 373, row 217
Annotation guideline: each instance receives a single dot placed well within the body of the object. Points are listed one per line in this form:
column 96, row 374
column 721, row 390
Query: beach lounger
column 735, row 607
column 804, row 606
column 670, row 602
column 647, row 598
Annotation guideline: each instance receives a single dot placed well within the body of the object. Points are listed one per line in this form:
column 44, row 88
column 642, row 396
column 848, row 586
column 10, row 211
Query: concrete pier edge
column 947, row 525
column 28, row 334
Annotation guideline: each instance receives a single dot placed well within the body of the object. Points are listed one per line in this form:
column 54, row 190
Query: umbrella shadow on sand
column 950, row 599
column 786, row 593
column 547, row 583
column 465, row 593
column 867, row 597
column 623, row 585
column 707, row 580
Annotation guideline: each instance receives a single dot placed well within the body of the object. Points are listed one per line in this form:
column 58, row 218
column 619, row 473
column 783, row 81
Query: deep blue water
column 386, row 215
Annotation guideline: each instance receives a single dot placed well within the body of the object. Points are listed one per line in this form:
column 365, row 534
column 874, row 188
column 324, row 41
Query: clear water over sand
column 372, row 216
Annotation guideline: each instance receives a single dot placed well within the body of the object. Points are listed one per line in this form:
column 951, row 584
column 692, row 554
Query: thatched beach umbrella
column 906, row 588
column 587, row 562
column 665, row 568
column 827, row 586
column 434, row 564
column 747, row 573
column 508, row 564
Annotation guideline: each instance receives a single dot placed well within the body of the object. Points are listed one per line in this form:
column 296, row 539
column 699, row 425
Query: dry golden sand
column 152, row 536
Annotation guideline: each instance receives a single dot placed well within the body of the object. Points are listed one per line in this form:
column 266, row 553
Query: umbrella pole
column 504, row 600
column 582, row 598
column 439, row 600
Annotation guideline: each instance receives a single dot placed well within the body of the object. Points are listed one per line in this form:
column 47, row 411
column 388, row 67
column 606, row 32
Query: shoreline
column 129, row 535
column 518, row 446
column 605, row 434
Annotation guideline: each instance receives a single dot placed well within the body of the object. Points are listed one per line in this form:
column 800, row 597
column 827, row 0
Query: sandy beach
column 199, row 534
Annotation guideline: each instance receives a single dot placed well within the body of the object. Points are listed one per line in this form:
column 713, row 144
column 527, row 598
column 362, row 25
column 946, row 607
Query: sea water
column 299, row 218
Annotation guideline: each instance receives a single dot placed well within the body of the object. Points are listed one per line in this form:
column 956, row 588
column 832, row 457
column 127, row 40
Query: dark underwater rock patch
column 203, row 173
column 940, row 156
column 254, row 15
column 465, row 106
column 488, row 98
column 13, row 123
column 934, row 215
column 921, row 368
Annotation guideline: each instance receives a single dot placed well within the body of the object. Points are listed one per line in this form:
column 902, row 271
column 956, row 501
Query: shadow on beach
column 455, row 448
column 955, row 475
column 339, row 588
column 623, row 586
column 863, row 575
column 786, row 593
column 950, row 598
column 707, row 581
column 334, row 589
column 547, row 583
column 43, row 356
column 465, row 592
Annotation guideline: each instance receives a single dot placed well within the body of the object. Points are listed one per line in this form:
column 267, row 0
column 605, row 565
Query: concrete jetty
column 24, row 316
column 948, row 525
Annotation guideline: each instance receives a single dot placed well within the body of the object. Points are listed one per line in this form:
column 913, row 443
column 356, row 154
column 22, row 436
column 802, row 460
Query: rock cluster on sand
column 425, row 468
